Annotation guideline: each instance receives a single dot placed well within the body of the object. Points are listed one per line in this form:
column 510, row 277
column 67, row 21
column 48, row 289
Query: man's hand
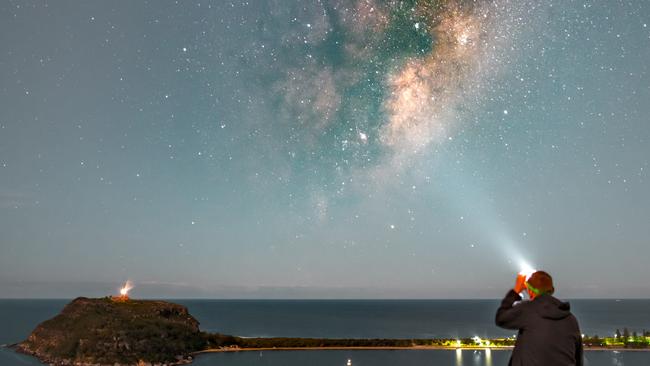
column 520, row 283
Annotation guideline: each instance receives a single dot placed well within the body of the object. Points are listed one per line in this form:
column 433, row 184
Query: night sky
column 323, row 149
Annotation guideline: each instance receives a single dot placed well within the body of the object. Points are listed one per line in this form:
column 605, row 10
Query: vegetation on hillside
column 109, row 331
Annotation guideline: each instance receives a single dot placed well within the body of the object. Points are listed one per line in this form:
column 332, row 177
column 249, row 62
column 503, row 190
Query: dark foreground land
column 110, row 331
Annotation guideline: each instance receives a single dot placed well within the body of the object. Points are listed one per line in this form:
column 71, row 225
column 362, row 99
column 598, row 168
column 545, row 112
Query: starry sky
column 323, row 149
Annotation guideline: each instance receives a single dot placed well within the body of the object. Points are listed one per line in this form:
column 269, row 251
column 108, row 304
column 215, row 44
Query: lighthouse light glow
column 124, row 291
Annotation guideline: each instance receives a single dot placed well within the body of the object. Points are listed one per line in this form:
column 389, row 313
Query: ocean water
column 400, row 358
column 353, row 319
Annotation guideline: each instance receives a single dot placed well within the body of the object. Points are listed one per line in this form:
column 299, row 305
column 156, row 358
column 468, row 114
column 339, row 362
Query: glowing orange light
column 124, row 291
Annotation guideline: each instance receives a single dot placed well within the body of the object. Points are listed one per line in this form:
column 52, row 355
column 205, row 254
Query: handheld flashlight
column 526, row 270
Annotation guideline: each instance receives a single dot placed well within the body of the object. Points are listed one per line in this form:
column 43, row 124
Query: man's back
column 549, row 334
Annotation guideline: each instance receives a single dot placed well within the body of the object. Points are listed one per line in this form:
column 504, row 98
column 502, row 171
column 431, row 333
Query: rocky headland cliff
column 110, row 331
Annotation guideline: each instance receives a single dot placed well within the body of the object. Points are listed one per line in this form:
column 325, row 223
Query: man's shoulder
column 525, row 304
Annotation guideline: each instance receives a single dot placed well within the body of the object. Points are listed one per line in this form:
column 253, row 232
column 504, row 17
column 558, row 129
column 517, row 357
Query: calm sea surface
column 353, row 319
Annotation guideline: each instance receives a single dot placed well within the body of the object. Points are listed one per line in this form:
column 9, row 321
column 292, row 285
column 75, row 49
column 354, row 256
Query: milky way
column 222, row 147
column 405, row 77
column 424, row 93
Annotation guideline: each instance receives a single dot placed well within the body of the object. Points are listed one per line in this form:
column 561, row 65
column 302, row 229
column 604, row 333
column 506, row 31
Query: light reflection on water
column 369, row 358
column 482, row 357
column 488, row 357
column 616, row 361
column 458, row 357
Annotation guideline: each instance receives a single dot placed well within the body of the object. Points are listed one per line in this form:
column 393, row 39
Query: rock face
column 107, row 332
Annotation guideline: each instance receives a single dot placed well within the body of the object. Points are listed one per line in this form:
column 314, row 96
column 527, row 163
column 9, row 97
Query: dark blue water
column 401, row 358
column 394, row 318
column 353, row 319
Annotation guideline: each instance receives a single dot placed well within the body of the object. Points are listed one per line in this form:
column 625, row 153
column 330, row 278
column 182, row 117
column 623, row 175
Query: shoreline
column 397, row 348
column 14, row 347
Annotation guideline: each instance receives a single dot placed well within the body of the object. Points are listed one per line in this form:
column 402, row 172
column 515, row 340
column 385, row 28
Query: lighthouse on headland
column 124, row 292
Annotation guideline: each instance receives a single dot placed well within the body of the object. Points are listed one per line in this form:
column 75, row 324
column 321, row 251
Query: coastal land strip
column 398, row 348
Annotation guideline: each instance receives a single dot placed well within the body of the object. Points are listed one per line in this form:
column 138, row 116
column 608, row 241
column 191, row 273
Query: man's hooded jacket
column 549, row 334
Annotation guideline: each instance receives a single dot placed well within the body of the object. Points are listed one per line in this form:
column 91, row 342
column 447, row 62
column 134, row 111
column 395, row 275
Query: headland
column 116, row 330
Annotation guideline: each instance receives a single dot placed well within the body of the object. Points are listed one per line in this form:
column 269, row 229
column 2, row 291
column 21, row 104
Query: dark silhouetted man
column 549, row 334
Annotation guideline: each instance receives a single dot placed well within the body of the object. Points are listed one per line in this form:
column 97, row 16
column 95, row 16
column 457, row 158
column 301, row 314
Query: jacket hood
column 551, row 308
